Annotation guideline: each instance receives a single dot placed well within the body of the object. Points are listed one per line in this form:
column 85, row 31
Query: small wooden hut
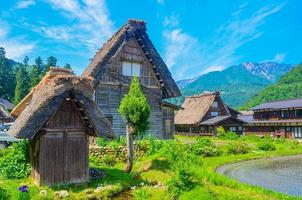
column 57, row 116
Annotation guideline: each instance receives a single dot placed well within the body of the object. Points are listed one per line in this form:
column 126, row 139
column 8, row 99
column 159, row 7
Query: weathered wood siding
column 60, row 151
column 221, row 109
column 113, row 85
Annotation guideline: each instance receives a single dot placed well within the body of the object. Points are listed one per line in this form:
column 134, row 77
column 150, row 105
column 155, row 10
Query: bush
column 101, row 142
column 220, row 131
column 154, row 146
column 238, row 148
column 141, row 194
column 121, row 141
column 3, row 194
column 108, row 160
column 206, row 148
column 210, row 151
column 266, row 146
column 226, row 135
column 180, row 183
column 14, row 163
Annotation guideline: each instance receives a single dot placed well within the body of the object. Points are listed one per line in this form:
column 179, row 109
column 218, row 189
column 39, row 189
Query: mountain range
column 237, row 84
column 287, row 87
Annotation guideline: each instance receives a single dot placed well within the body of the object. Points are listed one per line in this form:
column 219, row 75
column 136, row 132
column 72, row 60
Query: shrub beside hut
column 58, row 116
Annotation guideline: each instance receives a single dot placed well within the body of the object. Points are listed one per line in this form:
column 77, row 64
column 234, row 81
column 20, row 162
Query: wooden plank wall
column 113, row 86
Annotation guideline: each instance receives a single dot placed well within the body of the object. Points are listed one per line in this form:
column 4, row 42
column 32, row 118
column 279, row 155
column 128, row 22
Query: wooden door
column 52, row 159
column 168, row 128
column 76, row 158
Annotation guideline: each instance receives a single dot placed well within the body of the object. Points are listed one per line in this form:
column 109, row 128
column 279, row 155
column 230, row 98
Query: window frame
column 214, row 115
column 132, row 65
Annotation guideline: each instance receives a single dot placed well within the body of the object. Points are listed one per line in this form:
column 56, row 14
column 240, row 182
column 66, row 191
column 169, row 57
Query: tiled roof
column 277, row 105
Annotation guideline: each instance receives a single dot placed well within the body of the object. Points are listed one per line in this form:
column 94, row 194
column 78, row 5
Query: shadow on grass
column 113, row 177
column 161, row 164
column 3, row 194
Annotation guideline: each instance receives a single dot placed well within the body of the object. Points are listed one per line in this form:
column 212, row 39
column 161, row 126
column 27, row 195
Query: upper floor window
column 214, row 114
column 265, row 115
column 214, row 104
column 298, row 113
column 131, row 69
column 285, row 114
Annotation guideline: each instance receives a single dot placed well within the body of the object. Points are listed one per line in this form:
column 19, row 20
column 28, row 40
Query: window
column 285, row 114
column 131, row 69
column 215, row 104
column 265, row 116
column 298, row 113
column 214, row 114
column 233, row 129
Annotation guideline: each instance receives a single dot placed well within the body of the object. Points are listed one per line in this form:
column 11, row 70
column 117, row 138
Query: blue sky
column 193, row 36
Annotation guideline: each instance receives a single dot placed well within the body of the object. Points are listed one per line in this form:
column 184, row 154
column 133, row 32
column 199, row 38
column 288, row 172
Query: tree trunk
column 129, row 158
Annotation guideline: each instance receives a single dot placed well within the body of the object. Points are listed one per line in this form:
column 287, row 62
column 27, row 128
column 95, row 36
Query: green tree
column 135, row 109
column 22, row 81
column 36, row 72
column 67, row 66
column 40, row 66
column 7, row 77
column 51, row 62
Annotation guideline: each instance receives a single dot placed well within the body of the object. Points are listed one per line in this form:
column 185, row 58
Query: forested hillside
column 16, row 79
column 288, row 86
column 236, row 85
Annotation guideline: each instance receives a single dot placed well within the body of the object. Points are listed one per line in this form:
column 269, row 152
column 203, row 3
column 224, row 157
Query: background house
column 277, row 118
column 203, row 113
column 57, row 116
column 130, row 52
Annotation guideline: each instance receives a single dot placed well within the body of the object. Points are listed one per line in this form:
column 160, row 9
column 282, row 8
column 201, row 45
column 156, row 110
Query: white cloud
column 187, row 56
column 279, row 57
column 90, row 26
column 15, row 48
column 25, row 4
column 172, row 20
column 161, row 2
column 212, row 69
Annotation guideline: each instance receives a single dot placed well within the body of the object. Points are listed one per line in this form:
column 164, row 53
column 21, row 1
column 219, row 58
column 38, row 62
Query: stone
column 91, row 196
column 43, row 193
column 63, row 193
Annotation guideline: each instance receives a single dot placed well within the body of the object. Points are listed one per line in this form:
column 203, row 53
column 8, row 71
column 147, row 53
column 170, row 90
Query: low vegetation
column 183, row 168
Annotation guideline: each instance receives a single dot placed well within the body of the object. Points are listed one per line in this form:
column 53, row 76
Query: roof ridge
column 282, row 100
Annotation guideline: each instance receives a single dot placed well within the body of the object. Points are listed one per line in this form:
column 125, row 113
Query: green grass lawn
column 152, row 173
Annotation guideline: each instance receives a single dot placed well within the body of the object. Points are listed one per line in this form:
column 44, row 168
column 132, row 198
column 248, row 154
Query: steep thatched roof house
column 203, row 113
column 57, row 116
column 130, row 52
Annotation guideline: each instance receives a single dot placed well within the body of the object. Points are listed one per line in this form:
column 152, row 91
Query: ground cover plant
column 183, row 168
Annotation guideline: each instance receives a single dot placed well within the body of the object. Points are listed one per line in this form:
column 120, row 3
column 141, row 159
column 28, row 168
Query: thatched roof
column 132, row 29
column 195, row 107
column 42, row 102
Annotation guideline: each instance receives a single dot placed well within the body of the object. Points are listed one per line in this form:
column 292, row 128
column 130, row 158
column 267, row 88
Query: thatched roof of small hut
column 195, row 107
column 42, row 102
column 132, row 29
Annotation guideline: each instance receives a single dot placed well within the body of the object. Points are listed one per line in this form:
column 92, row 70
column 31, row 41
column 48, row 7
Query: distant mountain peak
column 268, row 70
